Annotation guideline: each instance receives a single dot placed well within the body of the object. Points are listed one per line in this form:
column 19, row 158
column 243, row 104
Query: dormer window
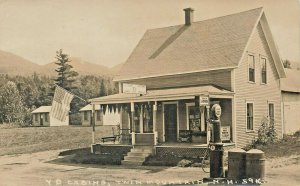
column 263, row 70
column 251, row 68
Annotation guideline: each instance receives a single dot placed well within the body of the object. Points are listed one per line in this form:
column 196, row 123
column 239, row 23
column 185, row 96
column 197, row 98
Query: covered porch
column 169, row 116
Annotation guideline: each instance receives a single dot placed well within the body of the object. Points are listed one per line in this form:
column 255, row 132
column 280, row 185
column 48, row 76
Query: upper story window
column 249, row 111
column 263, row 70
column 251, row 68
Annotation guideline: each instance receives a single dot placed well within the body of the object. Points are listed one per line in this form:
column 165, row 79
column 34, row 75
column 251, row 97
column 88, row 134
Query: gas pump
column 217, row 152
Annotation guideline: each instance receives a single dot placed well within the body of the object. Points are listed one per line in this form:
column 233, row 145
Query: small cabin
column 41, row 117
column 109, row 117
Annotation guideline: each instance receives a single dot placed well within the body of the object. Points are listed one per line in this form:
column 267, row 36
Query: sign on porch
column 204, row 100
column 134, row 89
column 225, row 133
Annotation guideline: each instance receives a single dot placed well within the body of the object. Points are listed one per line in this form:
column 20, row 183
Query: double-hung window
column 249, row 116
column 263, row 70
column 271, row 113
column 251, row 68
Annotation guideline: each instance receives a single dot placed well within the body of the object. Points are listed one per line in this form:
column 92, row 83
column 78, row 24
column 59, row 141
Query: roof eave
column 172, row 74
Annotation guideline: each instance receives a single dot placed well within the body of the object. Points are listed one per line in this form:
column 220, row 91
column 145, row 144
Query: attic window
column 263, row 70
column 251, row 68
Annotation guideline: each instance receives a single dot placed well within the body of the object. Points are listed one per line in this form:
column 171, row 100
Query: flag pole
column 93, row 123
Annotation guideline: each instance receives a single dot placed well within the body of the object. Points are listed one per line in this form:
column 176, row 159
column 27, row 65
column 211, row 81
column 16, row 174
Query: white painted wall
column 55, row 122
column 111, row 118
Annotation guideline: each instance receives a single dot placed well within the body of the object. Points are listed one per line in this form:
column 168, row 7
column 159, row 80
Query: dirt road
column 36, row 170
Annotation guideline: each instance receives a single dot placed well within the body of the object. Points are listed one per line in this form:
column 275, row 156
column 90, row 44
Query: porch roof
column 163, row 95
column 42, row 109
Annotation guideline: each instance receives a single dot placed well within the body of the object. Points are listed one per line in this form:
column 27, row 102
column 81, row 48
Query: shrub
column 184, row 163
column 266, row 134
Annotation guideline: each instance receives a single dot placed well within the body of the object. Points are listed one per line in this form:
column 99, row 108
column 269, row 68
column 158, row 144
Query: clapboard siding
column 258, row 93
column 218, row 77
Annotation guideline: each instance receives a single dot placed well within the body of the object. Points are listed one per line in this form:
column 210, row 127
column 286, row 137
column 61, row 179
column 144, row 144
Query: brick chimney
column 188, row 16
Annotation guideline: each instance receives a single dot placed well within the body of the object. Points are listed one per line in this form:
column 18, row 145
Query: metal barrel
column 216, row 161
column 236, row 164
column 255, row 164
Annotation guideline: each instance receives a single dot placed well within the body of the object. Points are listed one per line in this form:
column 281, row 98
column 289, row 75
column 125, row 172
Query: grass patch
column 36, row 139
column 287, row 146
column 84, row 156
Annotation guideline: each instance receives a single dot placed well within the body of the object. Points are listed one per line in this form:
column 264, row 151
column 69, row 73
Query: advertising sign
column 134, row 89
column 204, row 100
column 225, row 133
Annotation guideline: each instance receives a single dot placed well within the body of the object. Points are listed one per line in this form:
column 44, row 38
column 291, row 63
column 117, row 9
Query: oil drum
column 255, row 164
column 236, row 164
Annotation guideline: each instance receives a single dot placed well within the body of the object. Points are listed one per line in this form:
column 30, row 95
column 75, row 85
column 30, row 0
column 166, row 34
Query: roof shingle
column 205, row 45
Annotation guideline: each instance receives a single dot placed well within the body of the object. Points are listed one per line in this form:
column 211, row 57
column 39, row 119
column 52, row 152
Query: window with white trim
column 271, row 113
column 249, row 116
column 263, row 61
column 251, row 68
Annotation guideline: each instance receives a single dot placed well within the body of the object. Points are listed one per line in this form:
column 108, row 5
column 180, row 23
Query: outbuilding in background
column 41, row 117
column 109, row 118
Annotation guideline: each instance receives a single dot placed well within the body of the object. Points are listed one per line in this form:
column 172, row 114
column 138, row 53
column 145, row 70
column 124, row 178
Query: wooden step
column 135, row 158
column 132, row 163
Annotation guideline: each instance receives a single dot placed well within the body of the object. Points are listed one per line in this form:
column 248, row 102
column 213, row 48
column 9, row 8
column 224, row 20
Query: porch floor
column 174, row 144
column 169, row 144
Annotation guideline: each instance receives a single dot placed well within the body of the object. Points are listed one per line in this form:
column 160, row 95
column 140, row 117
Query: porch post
column 132, row 116
column 93, row 123
column 154, row 122
column 141, row 120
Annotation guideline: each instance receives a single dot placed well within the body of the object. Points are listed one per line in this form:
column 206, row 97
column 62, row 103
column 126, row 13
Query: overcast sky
column 106, row 31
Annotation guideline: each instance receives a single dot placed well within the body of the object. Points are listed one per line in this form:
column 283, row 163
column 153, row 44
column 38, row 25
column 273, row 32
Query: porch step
column 135, row 158
column 137, row 155
column 132, row 163
column 145, row 151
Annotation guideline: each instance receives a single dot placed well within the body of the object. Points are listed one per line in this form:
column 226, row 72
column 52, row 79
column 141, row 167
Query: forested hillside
column 19, row 95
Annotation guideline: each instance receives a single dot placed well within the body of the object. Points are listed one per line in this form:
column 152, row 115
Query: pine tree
column 102, row 89
column 66, row 76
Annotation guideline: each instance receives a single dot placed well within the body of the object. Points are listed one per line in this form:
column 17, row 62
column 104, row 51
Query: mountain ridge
column 13, row 64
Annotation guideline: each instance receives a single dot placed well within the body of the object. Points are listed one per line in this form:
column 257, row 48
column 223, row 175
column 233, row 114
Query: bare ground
column 37, row 170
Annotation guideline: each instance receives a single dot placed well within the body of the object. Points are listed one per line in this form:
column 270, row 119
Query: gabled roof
column 292, row 81
column 212, row 44
column 42, row 109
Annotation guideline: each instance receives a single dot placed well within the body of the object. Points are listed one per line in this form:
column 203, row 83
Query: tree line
column 20, row 95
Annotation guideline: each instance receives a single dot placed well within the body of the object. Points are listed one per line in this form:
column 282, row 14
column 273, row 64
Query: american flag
column 61, row 104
